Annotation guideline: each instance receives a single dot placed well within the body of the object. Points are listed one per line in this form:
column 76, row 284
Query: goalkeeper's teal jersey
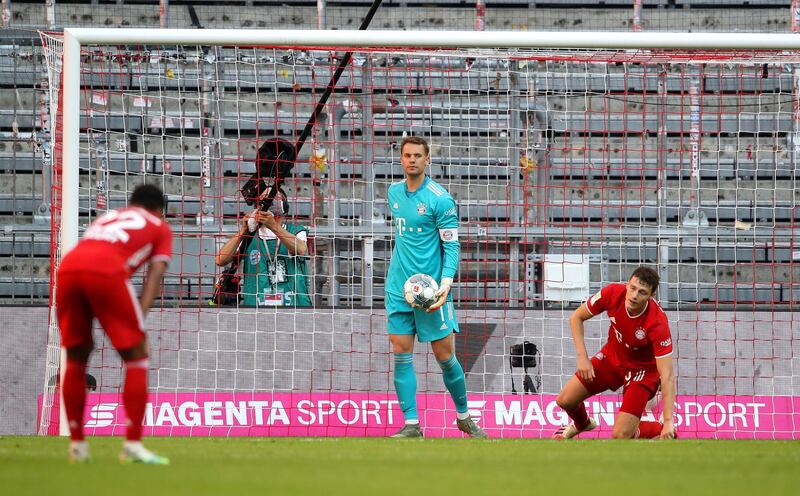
column 425, row 237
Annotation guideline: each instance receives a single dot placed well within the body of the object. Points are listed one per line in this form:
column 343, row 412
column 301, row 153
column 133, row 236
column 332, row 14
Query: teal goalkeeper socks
column 405, row 383
column 454, row 380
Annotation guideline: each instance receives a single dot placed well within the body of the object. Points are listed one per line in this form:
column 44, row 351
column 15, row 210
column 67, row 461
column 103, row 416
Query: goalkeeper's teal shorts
column 427, row 326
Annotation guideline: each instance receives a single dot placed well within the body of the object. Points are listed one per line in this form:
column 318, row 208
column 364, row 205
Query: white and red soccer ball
column 420, row 291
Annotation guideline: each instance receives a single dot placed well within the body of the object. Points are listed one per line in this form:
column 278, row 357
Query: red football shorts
column 110, row 298
column 639, row 384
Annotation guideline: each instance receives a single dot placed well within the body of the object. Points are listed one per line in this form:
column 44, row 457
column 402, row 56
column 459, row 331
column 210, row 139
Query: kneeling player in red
column 637, row 356
column 93, row 281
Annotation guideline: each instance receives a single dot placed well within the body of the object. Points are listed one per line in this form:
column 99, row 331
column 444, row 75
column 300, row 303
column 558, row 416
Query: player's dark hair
column 148, row 196
column 648, row 276
column 415, row 140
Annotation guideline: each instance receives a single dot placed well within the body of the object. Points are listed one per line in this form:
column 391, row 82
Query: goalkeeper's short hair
column 415, row 140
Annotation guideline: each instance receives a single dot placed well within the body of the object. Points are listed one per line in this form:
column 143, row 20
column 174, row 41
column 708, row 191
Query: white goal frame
column 75, row 38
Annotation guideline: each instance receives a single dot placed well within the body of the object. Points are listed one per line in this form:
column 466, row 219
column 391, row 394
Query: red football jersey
column 121, row 240
column 633, row 342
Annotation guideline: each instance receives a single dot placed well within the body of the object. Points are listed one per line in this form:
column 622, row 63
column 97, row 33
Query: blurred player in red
column 93, row 281
column 637, row 356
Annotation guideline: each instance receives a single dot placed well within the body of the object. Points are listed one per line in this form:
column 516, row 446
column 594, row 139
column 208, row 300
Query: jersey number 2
column 114, row 226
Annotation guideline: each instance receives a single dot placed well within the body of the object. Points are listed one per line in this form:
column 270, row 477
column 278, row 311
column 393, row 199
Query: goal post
column 573, row 157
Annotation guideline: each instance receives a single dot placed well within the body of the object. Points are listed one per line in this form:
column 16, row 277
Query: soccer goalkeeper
column 426, row 241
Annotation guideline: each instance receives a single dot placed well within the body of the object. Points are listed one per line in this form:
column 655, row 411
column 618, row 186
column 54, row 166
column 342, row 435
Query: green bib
column 273, row 277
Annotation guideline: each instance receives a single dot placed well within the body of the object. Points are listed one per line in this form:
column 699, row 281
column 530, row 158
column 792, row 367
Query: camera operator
column 274, row 258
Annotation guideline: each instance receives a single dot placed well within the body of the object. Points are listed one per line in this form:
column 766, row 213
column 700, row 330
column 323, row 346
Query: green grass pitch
column 334, row 466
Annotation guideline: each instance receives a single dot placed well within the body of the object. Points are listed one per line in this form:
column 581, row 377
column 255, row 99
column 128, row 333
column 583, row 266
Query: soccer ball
column 420, row 291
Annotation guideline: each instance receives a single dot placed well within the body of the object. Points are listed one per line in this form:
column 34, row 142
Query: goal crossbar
column 438, row 39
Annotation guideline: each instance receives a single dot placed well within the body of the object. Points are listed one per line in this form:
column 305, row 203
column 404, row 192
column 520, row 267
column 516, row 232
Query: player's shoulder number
column 115, row 225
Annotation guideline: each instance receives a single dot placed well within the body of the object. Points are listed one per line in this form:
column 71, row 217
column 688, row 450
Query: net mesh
column 53, row 51
column 570, row 168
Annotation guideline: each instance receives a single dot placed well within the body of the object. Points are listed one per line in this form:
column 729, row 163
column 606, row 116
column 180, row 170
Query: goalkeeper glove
column 441, row 294
column 444, row 286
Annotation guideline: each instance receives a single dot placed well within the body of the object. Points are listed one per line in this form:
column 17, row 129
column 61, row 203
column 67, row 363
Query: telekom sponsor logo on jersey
column 363, row 414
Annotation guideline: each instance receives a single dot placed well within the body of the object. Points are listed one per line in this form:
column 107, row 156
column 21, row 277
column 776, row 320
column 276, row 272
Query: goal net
column 570, row 168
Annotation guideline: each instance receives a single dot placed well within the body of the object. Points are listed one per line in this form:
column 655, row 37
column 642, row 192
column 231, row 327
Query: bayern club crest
column 255, row 257
column 639, row 334
column 421, row 208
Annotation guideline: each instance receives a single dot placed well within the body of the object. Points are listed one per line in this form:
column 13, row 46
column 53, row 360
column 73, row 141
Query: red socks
column 74, row 389
column 579, row 416
column 135, row 397
column 649, row 430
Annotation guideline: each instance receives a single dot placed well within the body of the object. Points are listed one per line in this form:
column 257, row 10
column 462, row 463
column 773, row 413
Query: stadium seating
column 746, row 171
